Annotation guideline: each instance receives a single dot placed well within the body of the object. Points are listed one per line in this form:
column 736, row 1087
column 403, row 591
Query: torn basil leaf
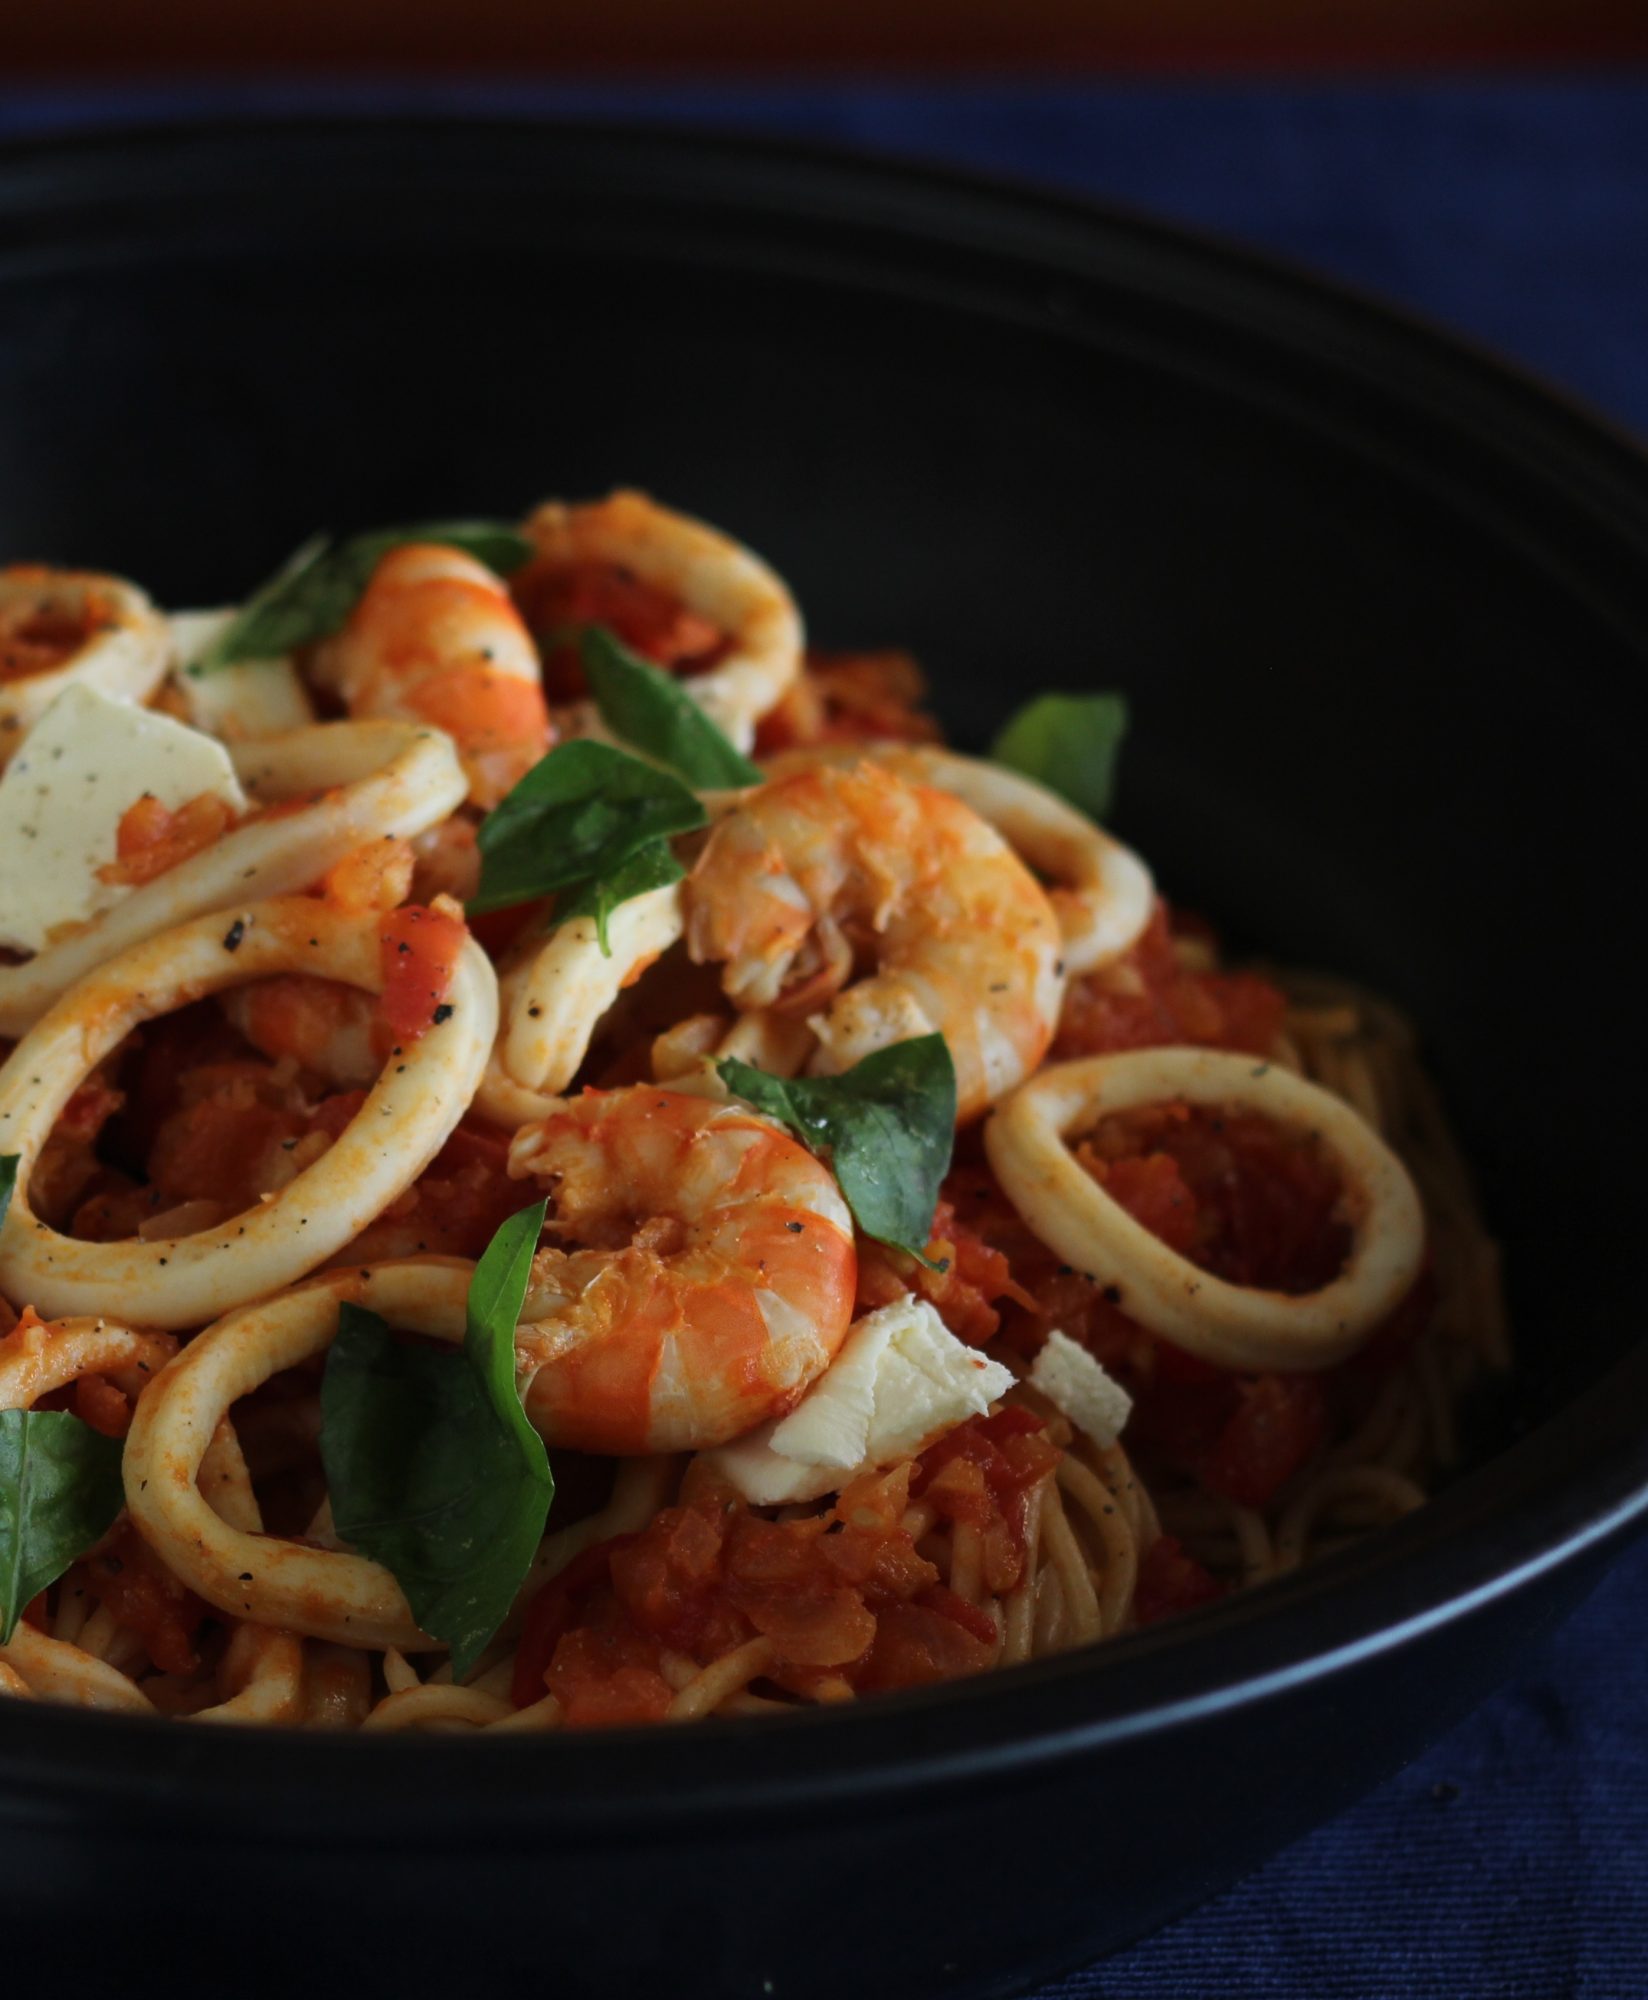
column 8, row 1181
column 431, row 1464
column 643, row 705
column 886, row 1127
column 1069, row 743
column 574, row 820
column 314, row 593
column 654, row 867
column 60, row 1494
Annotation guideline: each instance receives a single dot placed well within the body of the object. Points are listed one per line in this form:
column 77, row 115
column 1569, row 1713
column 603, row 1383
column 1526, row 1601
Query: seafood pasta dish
column 564, row 1162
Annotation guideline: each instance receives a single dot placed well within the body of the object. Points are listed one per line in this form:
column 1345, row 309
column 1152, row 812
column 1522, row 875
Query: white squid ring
column 407, row 1117
column 43, row 1359
column 1232, row 1326
column 1103, row 893
column 324, row 1593
column 712, row 575
column 126, row 660
column 553, row 1001
column 379, row 779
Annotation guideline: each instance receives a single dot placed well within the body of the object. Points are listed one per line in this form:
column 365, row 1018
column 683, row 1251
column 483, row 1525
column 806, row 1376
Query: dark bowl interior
column 1378, row 605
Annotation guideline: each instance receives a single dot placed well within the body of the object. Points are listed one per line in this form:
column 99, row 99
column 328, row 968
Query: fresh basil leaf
column 60, row 1492
column 888, row 1126
column 496, row 1294
column 313, row 594
column 1069, row 743
column 643, row 705
column 655, row 867
column 432, row 1466
column 8, row 1180
column 576, row 817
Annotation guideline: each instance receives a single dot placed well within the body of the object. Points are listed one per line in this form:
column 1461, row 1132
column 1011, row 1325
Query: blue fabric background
column 1511, row 1861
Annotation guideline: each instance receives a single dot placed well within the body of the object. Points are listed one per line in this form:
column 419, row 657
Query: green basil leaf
column 887, row 1125
column 643, row 705
column 432, row 1466
column 496, row 1294
column 8, row 1180
column 60, row 1492
column 576, row 817
column 312, row 595
column 1069, row 743
column 654, row 867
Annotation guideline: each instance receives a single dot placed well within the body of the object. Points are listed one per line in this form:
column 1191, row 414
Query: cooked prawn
column 436, row 639
column 805, row 876
column 1102, row 891
column 715, row 1281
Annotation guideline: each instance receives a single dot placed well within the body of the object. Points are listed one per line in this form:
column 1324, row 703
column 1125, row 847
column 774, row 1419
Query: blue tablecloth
column 1512, row 1859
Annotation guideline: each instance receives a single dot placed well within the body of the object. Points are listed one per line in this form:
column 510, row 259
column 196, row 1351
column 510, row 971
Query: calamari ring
column 553, row 999
column 711, row 574
column 1103, row 893
column 407, row 1117
column 374, row 780
column 34, row 1361
column 1233, row 1326
column 124, row 653
column 323, row 1593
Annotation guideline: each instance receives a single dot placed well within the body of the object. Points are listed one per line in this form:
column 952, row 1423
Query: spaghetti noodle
column 942, row 1258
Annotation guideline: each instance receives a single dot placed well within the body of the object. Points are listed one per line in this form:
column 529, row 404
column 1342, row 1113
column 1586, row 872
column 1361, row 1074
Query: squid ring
column 124, row 653
column 1233, row 1326
column 408, row 1115
column 1102, row 891
column 323, row 1593
column 374, row 780
column 33, row 1362
column 553, row 1001
column 711, row 574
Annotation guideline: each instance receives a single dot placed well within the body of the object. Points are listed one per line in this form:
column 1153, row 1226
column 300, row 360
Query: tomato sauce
column 143, row 1597
column 849, row 698
column 1149, row 1000
column 152, row 838
column 844, row 1596
column 559, row 601
column 418, row 950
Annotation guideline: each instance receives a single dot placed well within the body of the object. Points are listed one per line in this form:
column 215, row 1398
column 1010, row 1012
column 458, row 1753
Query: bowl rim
column 1576, row 1482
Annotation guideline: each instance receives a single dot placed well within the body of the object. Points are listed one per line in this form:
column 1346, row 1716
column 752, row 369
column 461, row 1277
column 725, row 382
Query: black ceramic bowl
column 1380, row 606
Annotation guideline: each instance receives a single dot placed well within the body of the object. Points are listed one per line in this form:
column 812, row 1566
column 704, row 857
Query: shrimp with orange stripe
column 435, row 638
column 712, row 1279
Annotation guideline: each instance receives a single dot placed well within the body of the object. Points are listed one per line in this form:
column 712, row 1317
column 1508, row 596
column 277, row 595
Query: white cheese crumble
column 900, row 1381
column 62, row 796
column 1094, row 1401
column 241, row 703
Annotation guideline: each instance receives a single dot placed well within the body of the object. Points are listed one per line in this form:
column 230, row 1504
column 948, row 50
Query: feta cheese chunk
column 900, row 1381
column 1069, row 1377
column 85, row 761
column 240, row 703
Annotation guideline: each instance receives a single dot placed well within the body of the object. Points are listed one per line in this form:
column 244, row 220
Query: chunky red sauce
column 559, row 601
column 1149, row 1000
column 844, row 1596
column 153, row 838
column 849, row 698
column 418, row 952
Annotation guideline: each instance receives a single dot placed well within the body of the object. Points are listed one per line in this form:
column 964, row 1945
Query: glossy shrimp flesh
column 810, row 878
column 435, row 638
column 713, row 1280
